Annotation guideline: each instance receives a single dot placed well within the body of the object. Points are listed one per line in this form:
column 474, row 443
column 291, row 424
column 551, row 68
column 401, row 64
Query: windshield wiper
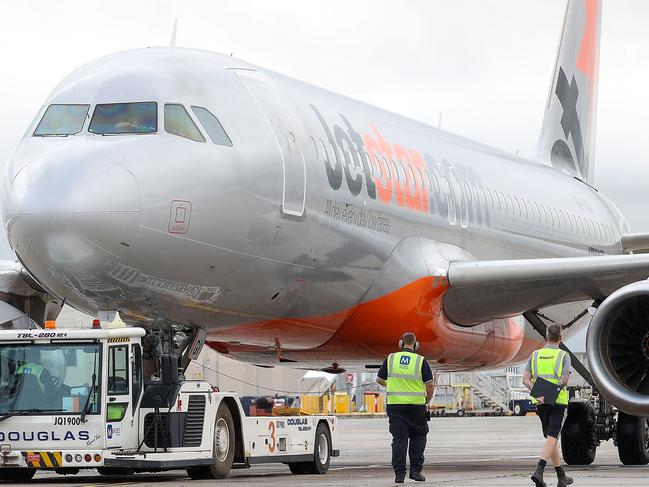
column 86, row 406
column 25, row 412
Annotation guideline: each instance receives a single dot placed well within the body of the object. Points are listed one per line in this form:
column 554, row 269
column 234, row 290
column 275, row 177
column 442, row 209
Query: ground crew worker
column 409, row 384
column 553, row 365
column 43, row 392
column 35, row 366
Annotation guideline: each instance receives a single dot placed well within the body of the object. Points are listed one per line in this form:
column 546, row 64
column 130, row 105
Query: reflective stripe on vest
column 404, row 383
column 547, row 363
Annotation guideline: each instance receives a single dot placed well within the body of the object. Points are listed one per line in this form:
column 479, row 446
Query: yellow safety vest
column 548, row 364
column 34, row 369
column 405, row 384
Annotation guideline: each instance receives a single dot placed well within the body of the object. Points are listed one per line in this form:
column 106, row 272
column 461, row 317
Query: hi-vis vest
column 34, row 369
column 548, row 364
column 405, row 384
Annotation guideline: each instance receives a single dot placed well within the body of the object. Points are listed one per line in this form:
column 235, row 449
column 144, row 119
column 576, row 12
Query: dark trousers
column 408, row 424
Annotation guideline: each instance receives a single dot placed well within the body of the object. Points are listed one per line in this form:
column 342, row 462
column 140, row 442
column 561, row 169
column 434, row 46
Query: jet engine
column 618, row 348
column 23, row 302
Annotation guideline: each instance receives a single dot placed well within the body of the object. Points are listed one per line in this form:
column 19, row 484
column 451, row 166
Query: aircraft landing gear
column 632, row 439
column 579, row 437
column 588, row 423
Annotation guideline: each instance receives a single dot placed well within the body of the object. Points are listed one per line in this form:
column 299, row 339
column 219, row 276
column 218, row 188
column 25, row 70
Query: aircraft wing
column 480, row 291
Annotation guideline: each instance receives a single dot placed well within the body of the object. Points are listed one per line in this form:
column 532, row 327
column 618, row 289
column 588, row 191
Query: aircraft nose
column 69, row 206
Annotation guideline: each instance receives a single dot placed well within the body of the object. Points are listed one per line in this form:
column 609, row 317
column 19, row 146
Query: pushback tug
column 114, row 400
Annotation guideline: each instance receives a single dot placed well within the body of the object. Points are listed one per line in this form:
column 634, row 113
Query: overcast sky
column 484, row 64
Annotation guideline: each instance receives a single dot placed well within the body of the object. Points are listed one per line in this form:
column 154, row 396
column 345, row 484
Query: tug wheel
column 17, row 474
column 223, row 448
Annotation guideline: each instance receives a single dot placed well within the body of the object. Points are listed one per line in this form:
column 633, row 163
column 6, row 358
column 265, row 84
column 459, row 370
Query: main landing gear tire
column 223, row 451
column 632, row 439
column 578, row 439
column 17, row 475
column 321, row 456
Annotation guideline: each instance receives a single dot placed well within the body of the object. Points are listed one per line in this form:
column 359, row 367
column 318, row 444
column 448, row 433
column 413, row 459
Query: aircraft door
column 283, row 130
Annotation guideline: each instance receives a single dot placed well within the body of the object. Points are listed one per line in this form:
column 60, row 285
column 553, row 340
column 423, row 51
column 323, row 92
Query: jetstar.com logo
column 397, row 175
column 361, row 151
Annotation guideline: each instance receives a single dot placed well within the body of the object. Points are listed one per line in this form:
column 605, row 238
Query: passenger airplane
column 199, row 195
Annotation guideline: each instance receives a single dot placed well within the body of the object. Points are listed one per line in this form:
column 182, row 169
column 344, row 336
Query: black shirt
column 426, row 373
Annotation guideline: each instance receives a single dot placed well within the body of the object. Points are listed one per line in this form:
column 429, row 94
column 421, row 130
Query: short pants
column 552, row 418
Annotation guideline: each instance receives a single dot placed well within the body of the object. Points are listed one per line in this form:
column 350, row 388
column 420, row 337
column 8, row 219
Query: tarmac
column 467, row 452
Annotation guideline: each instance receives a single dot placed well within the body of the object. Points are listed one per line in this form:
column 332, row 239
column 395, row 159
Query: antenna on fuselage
column 172, row 41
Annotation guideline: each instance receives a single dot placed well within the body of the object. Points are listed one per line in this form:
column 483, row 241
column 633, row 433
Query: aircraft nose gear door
column 283, row 130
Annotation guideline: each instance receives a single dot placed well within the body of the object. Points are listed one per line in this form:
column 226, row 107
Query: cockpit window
column 62, row 120
column 212, row 126
column 125, row 118
column 178, row 122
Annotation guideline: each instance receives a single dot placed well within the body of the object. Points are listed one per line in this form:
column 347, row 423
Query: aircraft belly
column 372, row 329
column 405, row 296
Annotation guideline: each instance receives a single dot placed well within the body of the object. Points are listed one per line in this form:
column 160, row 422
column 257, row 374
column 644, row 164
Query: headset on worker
column 409, row 335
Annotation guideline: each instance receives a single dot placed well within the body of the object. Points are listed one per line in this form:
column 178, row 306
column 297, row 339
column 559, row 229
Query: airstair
column 489, row 392
column 470, row 393
column 315, row 392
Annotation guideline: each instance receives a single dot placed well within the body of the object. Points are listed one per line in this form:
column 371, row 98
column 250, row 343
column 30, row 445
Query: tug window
column 178, row 122
column 118, row 376
column 62, row 120
column 124, row 118
column 213, row 127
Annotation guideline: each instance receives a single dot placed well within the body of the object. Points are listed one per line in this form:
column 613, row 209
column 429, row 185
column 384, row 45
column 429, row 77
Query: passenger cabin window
column 213, row 127
column 377, row 165
column 124, row 118
column 388, row 174
column 428, row 183
column 178, row 122
column 411, row 175
column 62, row 120
column 315, row 147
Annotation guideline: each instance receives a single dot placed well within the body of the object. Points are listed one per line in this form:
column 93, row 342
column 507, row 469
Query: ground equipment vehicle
column 101, row 398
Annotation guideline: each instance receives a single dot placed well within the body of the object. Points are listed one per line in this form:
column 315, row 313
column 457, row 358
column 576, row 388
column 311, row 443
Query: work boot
column 564, row 480
column 537, row 477
column 417, row 476
column 399, row 477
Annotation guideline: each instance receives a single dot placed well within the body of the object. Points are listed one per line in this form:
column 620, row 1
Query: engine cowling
column 618, row 348
column 24, row 301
